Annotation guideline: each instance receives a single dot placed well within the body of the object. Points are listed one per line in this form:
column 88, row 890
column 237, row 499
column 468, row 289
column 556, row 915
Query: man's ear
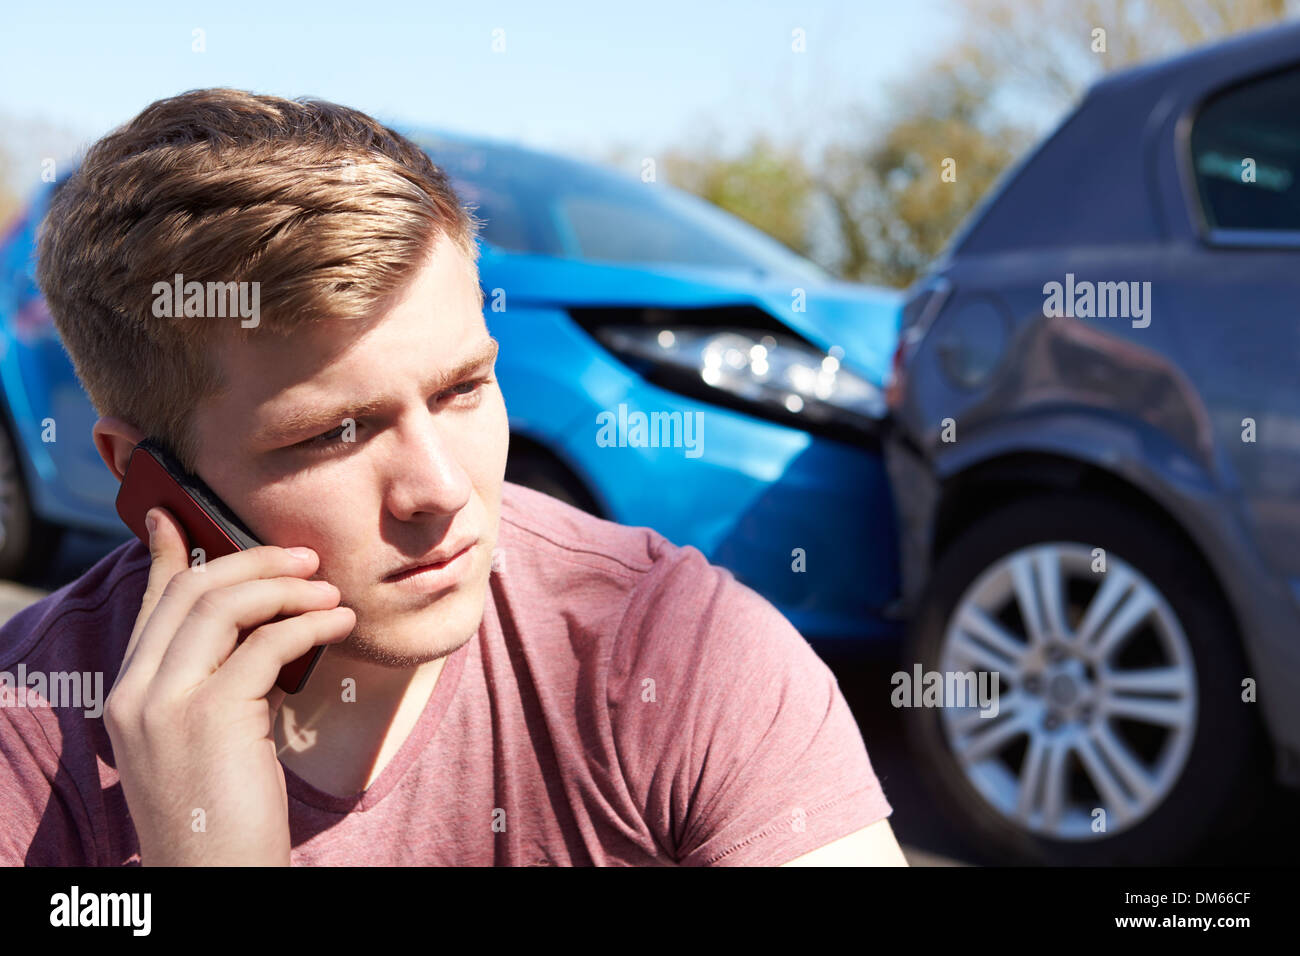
column 114, row 440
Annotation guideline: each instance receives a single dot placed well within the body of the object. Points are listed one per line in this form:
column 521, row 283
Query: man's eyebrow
column 308, row 421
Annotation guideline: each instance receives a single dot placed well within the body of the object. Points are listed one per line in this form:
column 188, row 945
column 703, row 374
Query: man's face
column 422, row 477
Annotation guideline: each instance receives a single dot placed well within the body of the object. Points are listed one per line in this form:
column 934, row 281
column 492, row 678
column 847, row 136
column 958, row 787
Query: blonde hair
column 329, row 211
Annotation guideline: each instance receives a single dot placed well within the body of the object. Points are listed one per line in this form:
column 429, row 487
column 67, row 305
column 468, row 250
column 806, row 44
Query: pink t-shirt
column 624, row 702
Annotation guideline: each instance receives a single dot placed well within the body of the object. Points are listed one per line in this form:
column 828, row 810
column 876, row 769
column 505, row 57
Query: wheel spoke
column 978, row 746
column 1113, row 587
column 1048, row 564
column 985, row 643
column 964, row 721
column 1103, row 779
column 1024, row 577
column 1165, row 711
column 1132, row 611
column 1127, row 766
column 1042, row 780
column 1149, row 681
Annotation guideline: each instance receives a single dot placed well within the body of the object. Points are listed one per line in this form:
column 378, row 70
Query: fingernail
column 151, row 523
column 302, row 554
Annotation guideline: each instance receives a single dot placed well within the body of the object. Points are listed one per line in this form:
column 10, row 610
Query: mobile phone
column 155, row 478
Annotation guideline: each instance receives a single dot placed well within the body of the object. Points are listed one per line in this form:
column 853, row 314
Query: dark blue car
column 1097, row 457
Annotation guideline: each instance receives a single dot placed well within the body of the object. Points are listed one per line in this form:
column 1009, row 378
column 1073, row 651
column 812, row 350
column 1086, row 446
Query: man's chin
column 412, row 638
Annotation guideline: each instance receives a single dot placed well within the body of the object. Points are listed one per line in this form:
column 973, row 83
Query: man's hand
column 190, row 715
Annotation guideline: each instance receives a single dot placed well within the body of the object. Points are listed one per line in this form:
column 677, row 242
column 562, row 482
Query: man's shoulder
column 85, row 624
column 59, row 656
column 731, row 736
column 583, row 561
column 548, row 532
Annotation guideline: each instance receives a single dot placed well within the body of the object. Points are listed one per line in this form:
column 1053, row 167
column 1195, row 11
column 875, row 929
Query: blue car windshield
column 551, row 206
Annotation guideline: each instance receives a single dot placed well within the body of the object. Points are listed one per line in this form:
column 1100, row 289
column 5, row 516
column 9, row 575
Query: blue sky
column 582, row 78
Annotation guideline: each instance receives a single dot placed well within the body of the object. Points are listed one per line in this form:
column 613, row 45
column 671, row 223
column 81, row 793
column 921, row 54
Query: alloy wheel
column 1097, row 698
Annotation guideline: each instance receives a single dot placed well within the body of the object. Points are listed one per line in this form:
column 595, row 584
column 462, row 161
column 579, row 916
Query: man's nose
column 424, row 475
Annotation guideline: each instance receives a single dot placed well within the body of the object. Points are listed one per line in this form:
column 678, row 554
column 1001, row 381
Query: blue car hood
column 862, row 320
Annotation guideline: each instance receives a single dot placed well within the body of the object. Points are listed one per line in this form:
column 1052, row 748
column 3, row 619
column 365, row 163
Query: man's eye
column 331, row 434
column 325, row 439
column 467, row 392
column 464, row 395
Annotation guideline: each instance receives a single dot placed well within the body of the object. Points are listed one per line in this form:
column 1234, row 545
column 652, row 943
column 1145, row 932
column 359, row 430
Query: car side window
column 1246, row 155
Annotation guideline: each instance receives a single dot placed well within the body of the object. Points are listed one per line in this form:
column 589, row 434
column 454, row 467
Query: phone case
column 154, row 478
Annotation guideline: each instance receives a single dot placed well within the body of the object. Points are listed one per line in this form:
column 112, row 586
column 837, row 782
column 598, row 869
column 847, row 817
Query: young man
column 551, row 689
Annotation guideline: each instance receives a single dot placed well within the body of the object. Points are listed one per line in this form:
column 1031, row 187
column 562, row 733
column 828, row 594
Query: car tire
column 1177, row 804
column 535, row 469
column 28, row 544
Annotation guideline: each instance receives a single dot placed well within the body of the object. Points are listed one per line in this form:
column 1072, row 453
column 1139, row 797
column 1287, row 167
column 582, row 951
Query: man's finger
column 181, row 588
column 251, row 670
column 211, row 632
column 168, row 555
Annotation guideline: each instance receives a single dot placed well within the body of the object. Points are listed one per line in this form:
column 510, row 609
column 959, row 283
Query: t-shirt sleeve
column 733, row 734
column 39, row 805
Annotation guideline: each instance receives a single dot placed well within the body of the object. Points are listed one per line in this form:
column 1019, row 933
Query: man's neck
column 343, row 728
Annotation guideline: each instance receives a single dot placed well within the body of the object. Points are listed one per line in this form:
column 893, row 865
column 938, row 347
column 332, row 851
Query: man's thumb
column 167, row 554
column 167, row 547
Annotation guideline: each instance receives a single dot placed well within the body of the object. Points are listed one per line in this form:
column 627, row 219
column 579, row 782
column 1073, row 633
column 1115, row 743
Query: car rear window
column 1246, row 155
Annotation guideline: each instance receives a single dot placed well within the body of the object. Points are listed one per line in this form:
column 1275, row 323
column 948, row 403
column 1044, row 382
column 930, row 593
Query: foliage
column 875, row 206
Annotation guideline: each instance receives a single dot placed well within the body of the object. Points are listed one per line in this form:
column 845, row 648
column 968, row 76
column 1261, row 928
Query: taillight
column 918, row 315
column 894, row 388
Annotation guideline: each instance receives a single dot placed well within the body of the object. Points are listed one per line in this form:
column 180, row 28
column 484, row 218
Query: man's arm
column 753, row 757
column 873, row 845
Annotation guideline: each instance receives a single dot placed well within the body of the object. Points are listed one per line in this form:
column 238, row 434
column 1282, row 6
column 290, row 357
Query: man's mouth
column 433, row 565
